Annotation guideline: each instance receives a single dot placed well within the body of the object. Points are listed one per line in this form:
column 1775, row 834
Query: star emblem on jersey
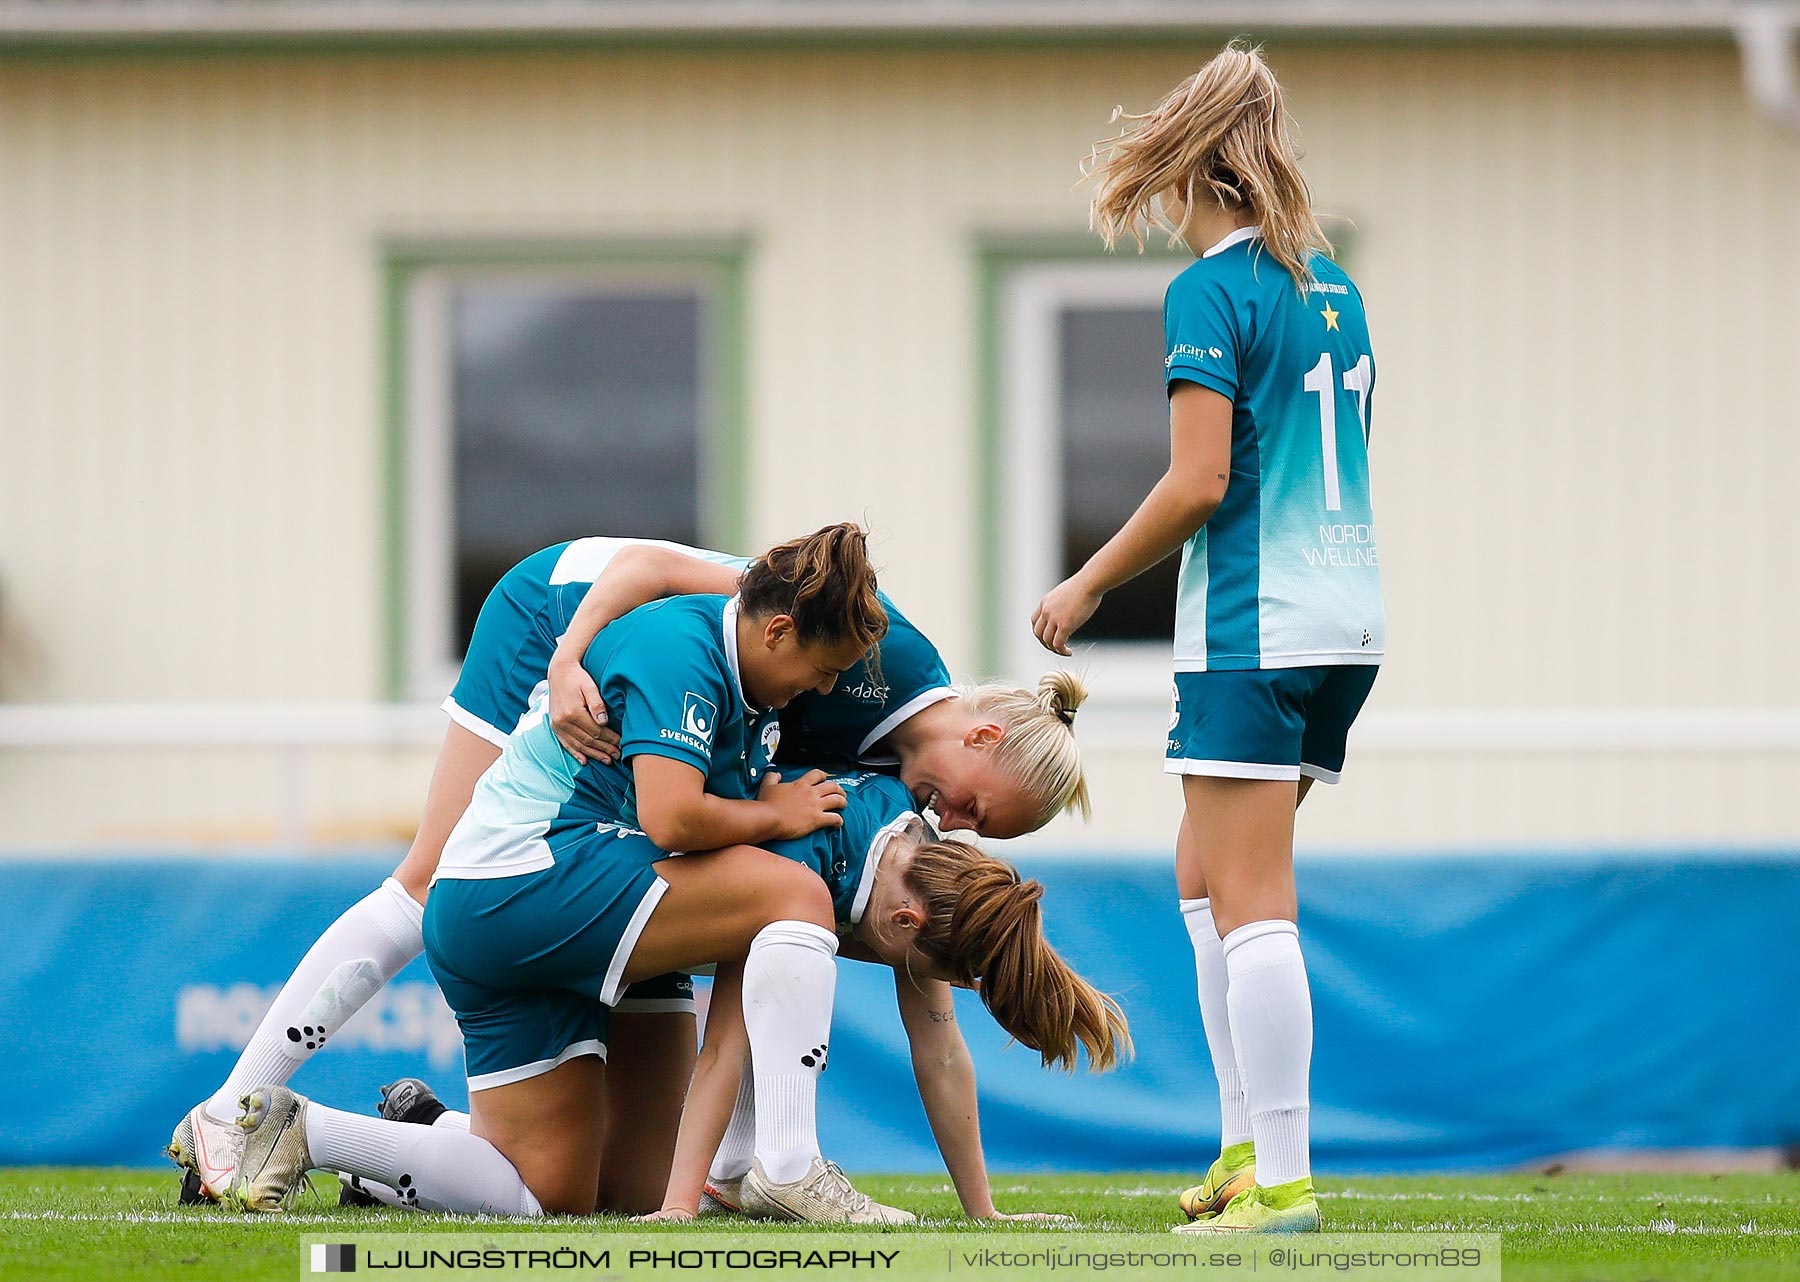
column 1330, row 317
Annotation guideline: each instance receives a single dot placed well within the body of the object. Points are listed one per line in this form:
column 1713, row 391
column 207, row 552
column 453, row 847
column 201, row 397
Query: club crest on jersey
column 698, row 717
column 771, row 737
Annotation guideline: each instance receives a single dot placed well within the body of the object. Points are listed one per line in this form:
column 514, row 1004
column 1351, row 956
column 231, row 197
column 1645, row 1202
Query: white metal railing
column 403, row 725
column 296, row 732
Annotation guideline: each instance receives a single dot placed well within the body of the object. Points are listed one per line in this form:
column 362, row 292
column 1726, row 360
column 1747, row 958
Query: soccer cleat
column 1232, row 1171
column 410, row 1100
column 275, row 1161
column 1282, row 1208
column 208, row 1150
column 190, row 1190
column 352, row 1193
column 824, row 1195
column 722, row 1197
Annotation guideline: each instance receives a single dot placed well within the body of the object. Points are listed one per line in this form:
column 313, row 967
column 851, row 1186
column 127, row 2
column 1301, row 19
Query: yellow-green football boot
column 1233, row 1171
column 1279, row 1208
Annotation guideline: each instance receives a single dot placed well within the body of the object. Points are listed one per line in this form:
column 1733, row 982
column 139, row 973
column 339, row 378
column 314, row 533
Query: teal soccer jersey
column 876, row 807
column 903, row 676
column 1285, row 574
column 669, row 674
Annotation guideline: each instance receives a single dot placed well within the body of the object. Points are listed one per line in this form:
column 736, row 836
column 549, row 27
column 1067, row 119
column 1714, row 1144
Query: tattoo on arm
column 942, row 1016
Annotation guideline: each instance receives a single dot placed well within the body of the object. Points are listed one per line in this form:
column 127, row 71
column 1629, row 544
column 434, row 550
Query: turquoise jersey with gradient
column 668, row 672
column 1286, row 573
column 903, row 676
column 876, row 807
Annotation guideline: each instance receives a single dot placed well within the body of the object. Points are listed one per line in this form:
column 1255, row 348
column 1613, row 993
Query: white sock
column 789, row 981
column 357, row 954
column 1271, row 1027
column 1215, row 1015
column 452, row 1120
column 739, row 1145
column 429, row 1168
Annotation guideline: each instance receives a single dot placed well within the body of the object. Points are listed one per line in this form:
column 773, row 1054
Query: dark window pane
column 1115, row 426
column 577, row 412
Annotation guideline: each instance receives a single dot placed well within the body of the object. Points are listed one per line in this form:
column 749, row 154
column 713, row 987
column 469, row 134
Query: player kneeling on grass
column 900, row 897
column 939, row 912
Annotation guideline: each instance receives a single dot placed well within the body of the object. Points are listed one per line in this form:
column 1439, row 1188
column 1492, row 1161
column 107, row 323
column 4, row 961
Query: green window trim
column 722, row 262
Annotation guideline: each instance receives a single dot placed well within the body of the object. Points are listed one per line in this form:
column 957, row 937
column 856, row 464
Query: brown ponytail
column 983, row 923
column 824, row 582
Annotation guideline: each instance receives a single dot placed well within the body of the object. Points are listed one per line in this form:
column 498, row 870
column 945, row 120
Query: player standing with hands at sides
column 1279, row 623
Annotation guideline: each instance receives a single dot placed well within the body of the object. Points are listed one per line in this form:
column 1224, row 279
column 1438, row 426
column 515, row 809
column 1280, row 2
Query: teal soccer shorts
column 1268, row 723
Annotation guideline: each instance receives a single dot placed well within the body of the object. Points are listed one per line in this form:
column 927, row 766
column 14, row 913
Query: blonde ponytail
column 1222, row 137
column 1038, row 748
column 984, row 923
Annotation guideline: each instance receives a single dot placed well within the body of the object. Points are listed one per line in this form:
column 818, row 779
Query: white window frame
column 431, row 664
column 1032, row 297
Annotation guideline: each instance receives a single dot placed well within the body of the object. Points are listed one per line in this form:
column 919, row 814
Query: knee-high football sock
column 790, row 978
column 357, row 954
column 1271, row 1027
column 427, row 1168
column 1215, row 1015
column 739, row 1144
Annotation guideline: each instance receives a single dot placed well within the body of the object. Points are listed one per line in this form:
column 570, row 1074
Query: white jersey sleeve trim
column 905, row 712
column 472, row 723
column 1229, row 769
column 866, row 886
column 537, row 1068
column 615, row 973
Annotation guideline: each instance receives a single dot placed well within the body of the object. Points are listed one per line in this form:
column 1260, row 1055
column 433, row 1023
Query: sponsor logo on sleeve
column 698, row 717
column 1188, row 353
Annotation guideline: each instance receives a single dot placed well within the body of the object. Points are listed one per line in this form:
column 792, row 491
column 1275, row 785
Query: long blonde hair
column 983, row 923
column 1038, row 749
column 1222, row 135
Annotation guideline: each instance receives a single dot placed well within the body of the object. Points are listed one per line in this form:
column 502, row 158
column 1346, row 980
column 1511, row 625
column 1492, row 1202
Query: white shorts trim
column 1229, row 769
column 655, row 1006
column 1320, row 773
column 537, row 1068
column 472, row 723
column 615, row 973
column 1276, row 662
column 918, row 703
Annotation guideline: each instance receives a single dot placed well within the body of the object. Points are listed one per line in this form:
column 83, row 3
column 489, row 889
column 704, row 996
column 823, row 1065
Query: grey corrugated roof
column 25, row 19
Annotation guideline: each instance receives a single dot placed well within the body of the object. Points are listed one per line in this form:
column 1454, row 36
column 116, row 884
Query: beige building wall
column 1579, row 264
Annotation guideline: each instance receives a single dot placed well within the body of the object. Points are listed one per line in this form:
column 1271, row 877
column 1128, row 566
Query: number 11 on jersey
column 1356, row 379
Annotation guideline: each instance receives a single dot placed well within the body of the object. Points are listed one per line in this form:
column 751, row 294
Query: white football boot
column 208, row 1150
column 273, row 1168
column 722, row 1197
column 824, row 1195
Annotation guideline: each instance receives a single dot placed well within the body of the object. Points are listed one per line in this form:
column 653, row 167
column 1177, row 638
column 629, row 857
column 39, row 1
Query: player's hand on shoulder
column 578, row 715
column 1062, row 612
column 804, row 805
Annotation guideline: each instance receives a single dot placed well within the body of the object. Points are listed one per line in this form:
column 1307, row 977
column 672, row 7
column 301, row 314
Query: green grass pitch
column 81, row 1225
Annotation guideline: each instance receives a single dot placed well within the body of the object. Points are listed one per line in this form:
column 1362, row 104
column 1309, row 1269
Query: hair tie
column 1066, row 716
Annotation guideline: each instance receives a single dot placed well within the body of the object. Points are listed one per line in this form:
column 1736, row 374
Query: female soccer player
column 993, row 758
column 939, row 913
column 1279, row 623
column 546, row 899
